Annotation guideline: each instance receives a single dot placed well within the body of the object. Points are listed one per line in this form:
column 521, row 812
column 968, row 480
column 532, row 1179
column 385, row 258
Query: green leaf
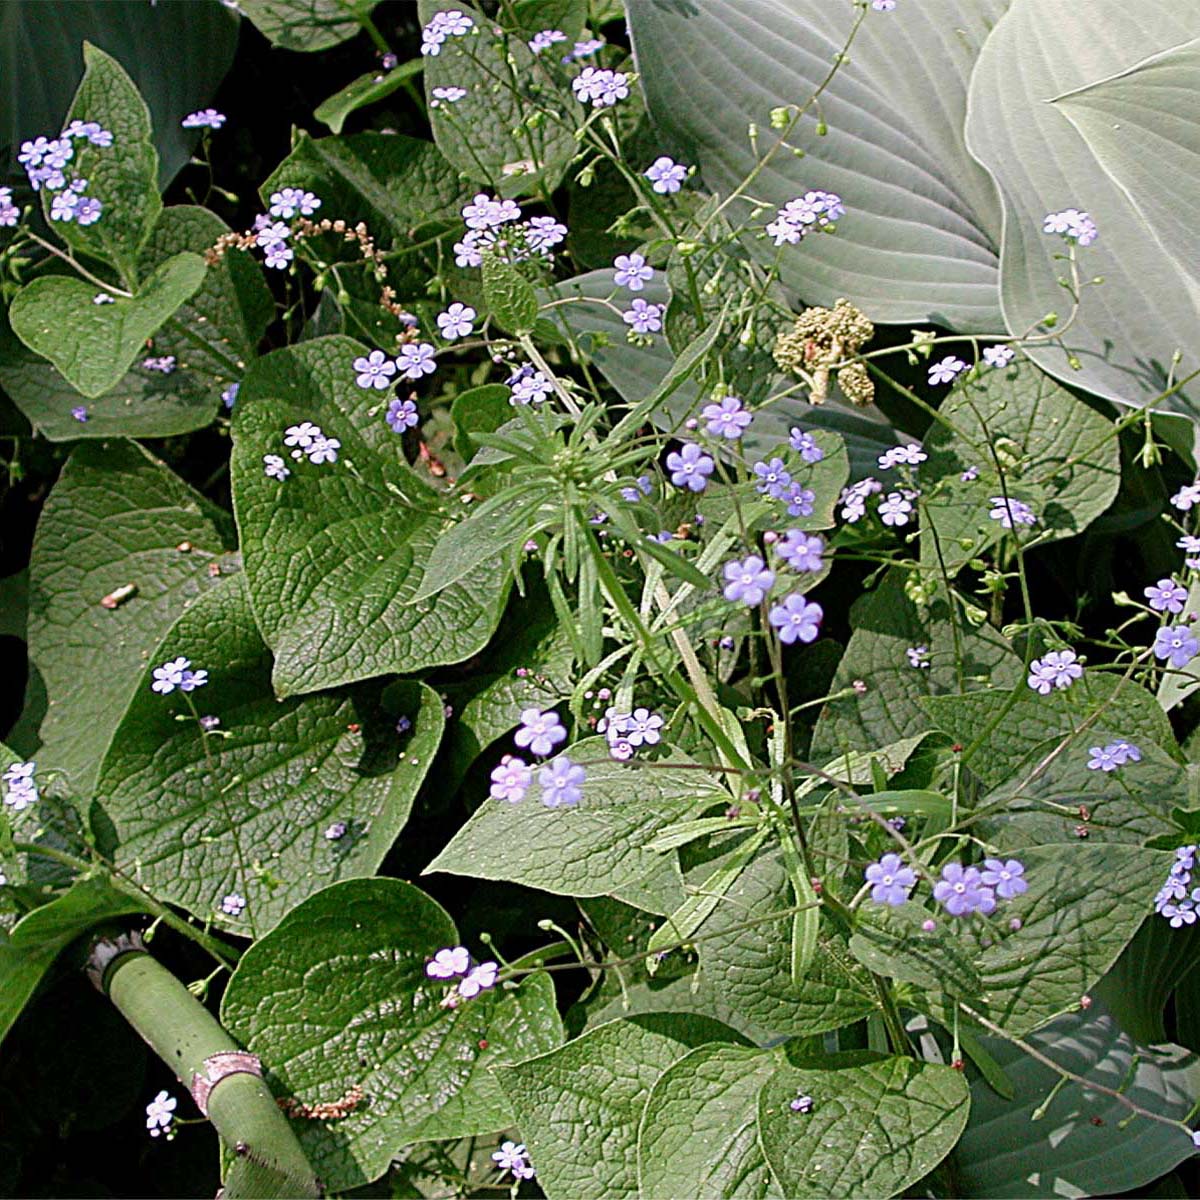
column 597, row 848
column 93, row 345
column 116, row 518
column 509, row 295
column 579, row 1106
column 392, row 182
column 1083, row 1145
column 245, row 809
column 699, row 1133
column 885, row 624
column 211, row 336
column 366, row 90
column 482, row 409
column 307, row 24
column 335, row 554
column 919, row 238
column 1060, row 457
column 1126, row 329
column 336, row 997
column 40, row 936
column 876, row 1127
column 123, row 176
column 476, row 133
column 891, row 942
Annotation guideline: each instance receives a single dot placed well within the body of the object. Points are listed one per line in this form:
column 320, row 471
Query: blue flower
column 690, row 467
column 375, row 370
column 540, row 731
column 666, row 175
column 207, row 118
column 402, row 415
column 805, row 445
column 890, row 880
column 800, row 500
column 1004, row 877
column 643, row 317
column 726, row 418
column 797, row 619
column 456, row 321
column 1166, row 596
column 631, row 271
column 961, row 890
column 1058, row 669
column 748, row 581
column 773, row 478
column 1177, row 644
column 801, row 551
column 562, row 783
column 416, row 360
column 511, row 779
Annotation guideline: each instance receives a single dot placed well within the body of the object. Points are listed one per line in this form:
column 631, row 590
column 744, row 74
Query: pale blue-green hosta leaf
column 918, row 241
column 476, row 133
column 211, row 336
column 94, row 345
column 1082, row 1146
column 579, row 1106
column 116, row 519
column 877, row 1125
column 699, row 1131
column 886, row 623
column 638, row 371
column 308, row 24
column 246, row 809
column 1059, row 456
column 123, row 176
column 1128, row 327
column 335, row 553
column 599, row 847
column 336, row 997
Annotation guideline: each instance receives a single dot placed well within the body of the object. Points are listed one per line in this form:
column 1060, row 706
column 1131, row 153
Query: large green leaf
column 599, row 847
column 876, row 1126
column 1082, row 1145
column 365, row 90
column 335, row 553
column 579, row 1106
column 246, row 809
column 116, row 518
column 886, row 623
column 1128, row 327
column 93, row 345
column 336, row 997
column 176, row 52
column 38, row 938
column 307, row 24
column 699, row 1132
column 1059, row 456
column 211, row 336
column 919, row 238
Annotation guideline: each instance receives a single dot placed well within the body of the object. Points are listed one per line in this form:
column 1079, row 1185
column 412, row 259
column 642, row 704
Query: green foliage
column 308, row 24
column 509, row 295
column 365, row 90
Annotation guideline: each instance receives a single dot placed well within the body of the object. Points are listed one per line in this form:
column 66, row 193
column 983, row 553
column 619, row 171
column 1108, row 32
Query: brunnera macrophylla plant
column 543, row 489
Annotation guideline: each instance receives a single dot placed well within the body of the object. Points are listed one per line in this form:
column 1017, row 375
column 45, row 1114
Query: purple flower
column 602, row 87
column 918, row 656
column 335, row 831
column 530, row 389
column 1072, row 225
column 229, row 395
column 287, row 202
column 1004, row 877
column 170, row 675
column 206, row 118
column 486, row 212
column 456, row 321
column 546, row 38
column 726, row 418
column 511, row 779
column 160, row 1113
column 805, row 445
column 643, row 487
column 540, row 731
column 796, row 619
column 448, row 962
column 854, row 498
column 562, row 783
column 62, row 207
column 947, row 370
column 233, row 905
column 748, row 581
column 773, row 479
column 801, row 1104
column 323, row 449
column 402, row 415
column 10, row 214
column 1011, row 512
column 800, row 500
column 374, row 371
column 690, row 467
column 645, row 318
column 640, row 728
column 666, row 175
column 448, row 95
column 450, row 23
column 274, row 467
column 80, row 413
column 998, row 356
column 883, row 5
column 513, row 1158
column 798, row 217
column 416, row 360
column 631, row 272
column 970, row 475
column 1166, row 596
column 279, row 254
column 890, row 880
column 480, row 979
column 910, row 455
column 801, row 551
column 543, row 233
column 1177, row 644
column 961, row 890
column 1187, row 497
column 1058, row 669
column 894, row 509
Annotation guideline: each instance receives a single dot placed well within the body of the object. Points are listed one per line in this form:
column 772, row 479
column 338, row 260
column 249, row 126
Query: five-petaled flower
column 562, row 783
column 666, row 175
column 375, row 370
column 540, row 731
column 946, row 370
column 690, row 467
column 1057, row 669
column 160, row 1113
column 1166, row 596
column 1177, row 644
column 631, row 271
column 797, row 619
column 448, row 963
column 644, row 317
column 510, row 779
column 456, row 321
column 891, row 880
column 402, row 415
column 726, row 418
column 416, row 360
column 748, row 581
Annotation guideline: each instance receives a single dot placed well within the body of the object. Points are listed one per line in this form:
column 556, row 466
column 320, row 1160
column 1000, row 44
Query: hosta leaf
column 699, row 1133
column 919, row 238
column 1127, row 328
column 875, row 1127
column 597, row 848
column 336, row 997
column 335, row 554
column 93, row 345
column 1060, row 457
column 1082, row 1146
column 579, row 1106
column 123, row 176
column 308, row 24
column 886, row 623
column 116, row 519
column 246, row 810
column 211, row 336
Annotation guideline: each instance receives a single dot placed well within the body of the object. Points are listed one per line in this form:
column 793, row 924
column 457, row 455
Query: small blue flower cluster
column 45, row 161
column 177, row 673
column 494, row 225
column 1115, row 754
column 961, row 890
column 561, row 781
column 20, row 787
column 308, row 439
column 1177, row 899
column 454, row 962
column 799, row 217
column 628, row 732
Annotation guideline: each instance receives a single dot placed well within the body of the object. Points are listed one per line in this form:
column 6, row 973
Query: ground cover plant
column 600, row 600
